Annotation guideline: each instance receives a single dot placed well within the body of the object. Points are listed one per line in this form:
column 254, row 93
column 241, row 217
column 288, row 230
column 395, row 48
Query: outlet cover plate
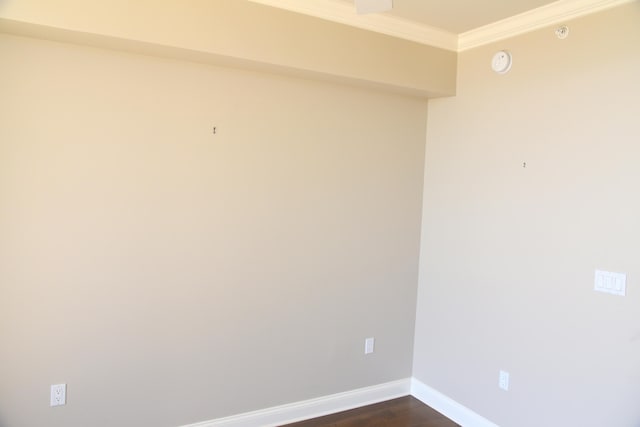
column 369, row 344
column 503, row 380
column 58, row 394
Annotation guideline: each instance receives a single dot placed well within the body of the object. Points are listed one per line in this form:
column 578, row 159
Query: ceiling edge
column 343, row 13
column 554, row 13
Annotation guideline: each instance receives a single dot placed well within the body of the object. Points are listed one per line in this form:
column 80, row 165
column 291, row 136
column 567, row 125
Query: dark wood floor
column 403, row 412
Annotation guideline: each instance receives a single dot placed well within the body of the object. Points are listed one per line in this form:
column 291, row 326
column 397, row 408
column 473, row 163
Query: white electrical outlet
column 503, row 380
column 58, row 394
column 369, row 344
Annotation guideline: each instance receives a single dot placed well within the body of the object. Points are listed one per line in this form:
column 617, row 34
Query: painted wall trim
column 312, row 408
column 306, row 409
column 344, row 13
column 447, row 406
column 554, row 13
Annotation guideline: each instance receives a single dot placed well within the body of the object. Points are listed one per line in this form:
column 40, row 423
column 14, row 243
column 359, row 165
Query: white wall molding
column 553, row 13
column 344, row 13
column 312, row 408
column 447, row 406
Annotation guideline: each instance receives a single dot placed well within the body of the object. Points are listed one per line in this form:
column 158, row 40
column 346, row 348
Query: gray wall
column 508, row 253
column 169, row 275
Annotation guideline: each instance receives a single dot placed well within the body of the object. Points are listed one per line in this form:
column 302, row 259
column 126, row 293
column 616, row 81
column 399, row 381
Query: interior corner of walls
column 447, row 406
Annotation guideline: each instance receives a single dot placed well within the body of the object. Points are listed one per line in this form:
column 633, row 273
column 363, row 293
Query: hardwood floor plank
column 402, row 412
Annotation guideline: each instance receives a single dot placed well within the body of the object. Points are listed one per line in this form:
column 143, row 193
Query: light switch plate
column 610, row 283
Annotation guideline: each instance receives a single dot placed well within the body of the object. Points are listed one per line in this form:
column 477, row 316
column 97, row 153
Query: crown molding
column 341, row 12
column 344, row 13
column 553, row 13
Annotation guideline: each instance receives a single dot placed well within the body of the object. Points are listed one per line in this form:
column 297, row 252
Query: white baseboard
column 447, row 406
column 306, row 409
column 312, row 408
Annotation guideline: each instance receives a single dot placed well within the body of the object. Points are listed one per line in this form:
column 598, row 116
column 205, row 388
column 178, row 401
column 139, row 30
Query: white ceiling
column 459, row 16
column 450, row 24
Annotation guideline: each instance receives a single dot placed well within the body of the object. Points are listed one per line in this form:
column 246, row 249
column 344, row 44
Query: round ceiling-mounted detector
column 501, row 62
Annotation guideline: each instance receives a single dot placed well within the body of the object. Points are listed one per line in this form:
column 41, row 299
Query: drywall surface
column 170, row 275
column 238, row 30
column 509, row 250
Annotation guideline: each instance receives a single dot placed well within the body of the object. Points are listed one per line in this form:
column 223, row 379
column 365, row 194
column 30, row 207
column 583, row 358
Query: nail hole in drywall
column 562, row 32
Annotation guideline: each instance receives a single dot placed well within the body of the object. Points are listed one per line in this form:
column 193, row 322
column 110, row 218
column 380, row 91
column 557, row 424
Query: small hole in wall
column 562, row 32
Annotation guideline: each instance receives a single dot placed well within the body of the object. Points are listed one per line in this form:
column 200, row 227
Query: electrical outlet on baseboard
column 369, row 344
column 503, row 380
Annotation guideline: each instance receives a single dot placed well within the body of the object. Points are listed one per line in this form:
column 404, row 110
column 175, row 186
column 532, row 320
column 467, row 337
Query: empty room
column 252, row 213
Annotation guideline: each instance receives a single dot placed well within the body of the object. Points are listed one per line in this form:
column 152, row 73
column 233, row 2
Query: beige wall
column 195, row 276
column 169, row 275
column 508, row 253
